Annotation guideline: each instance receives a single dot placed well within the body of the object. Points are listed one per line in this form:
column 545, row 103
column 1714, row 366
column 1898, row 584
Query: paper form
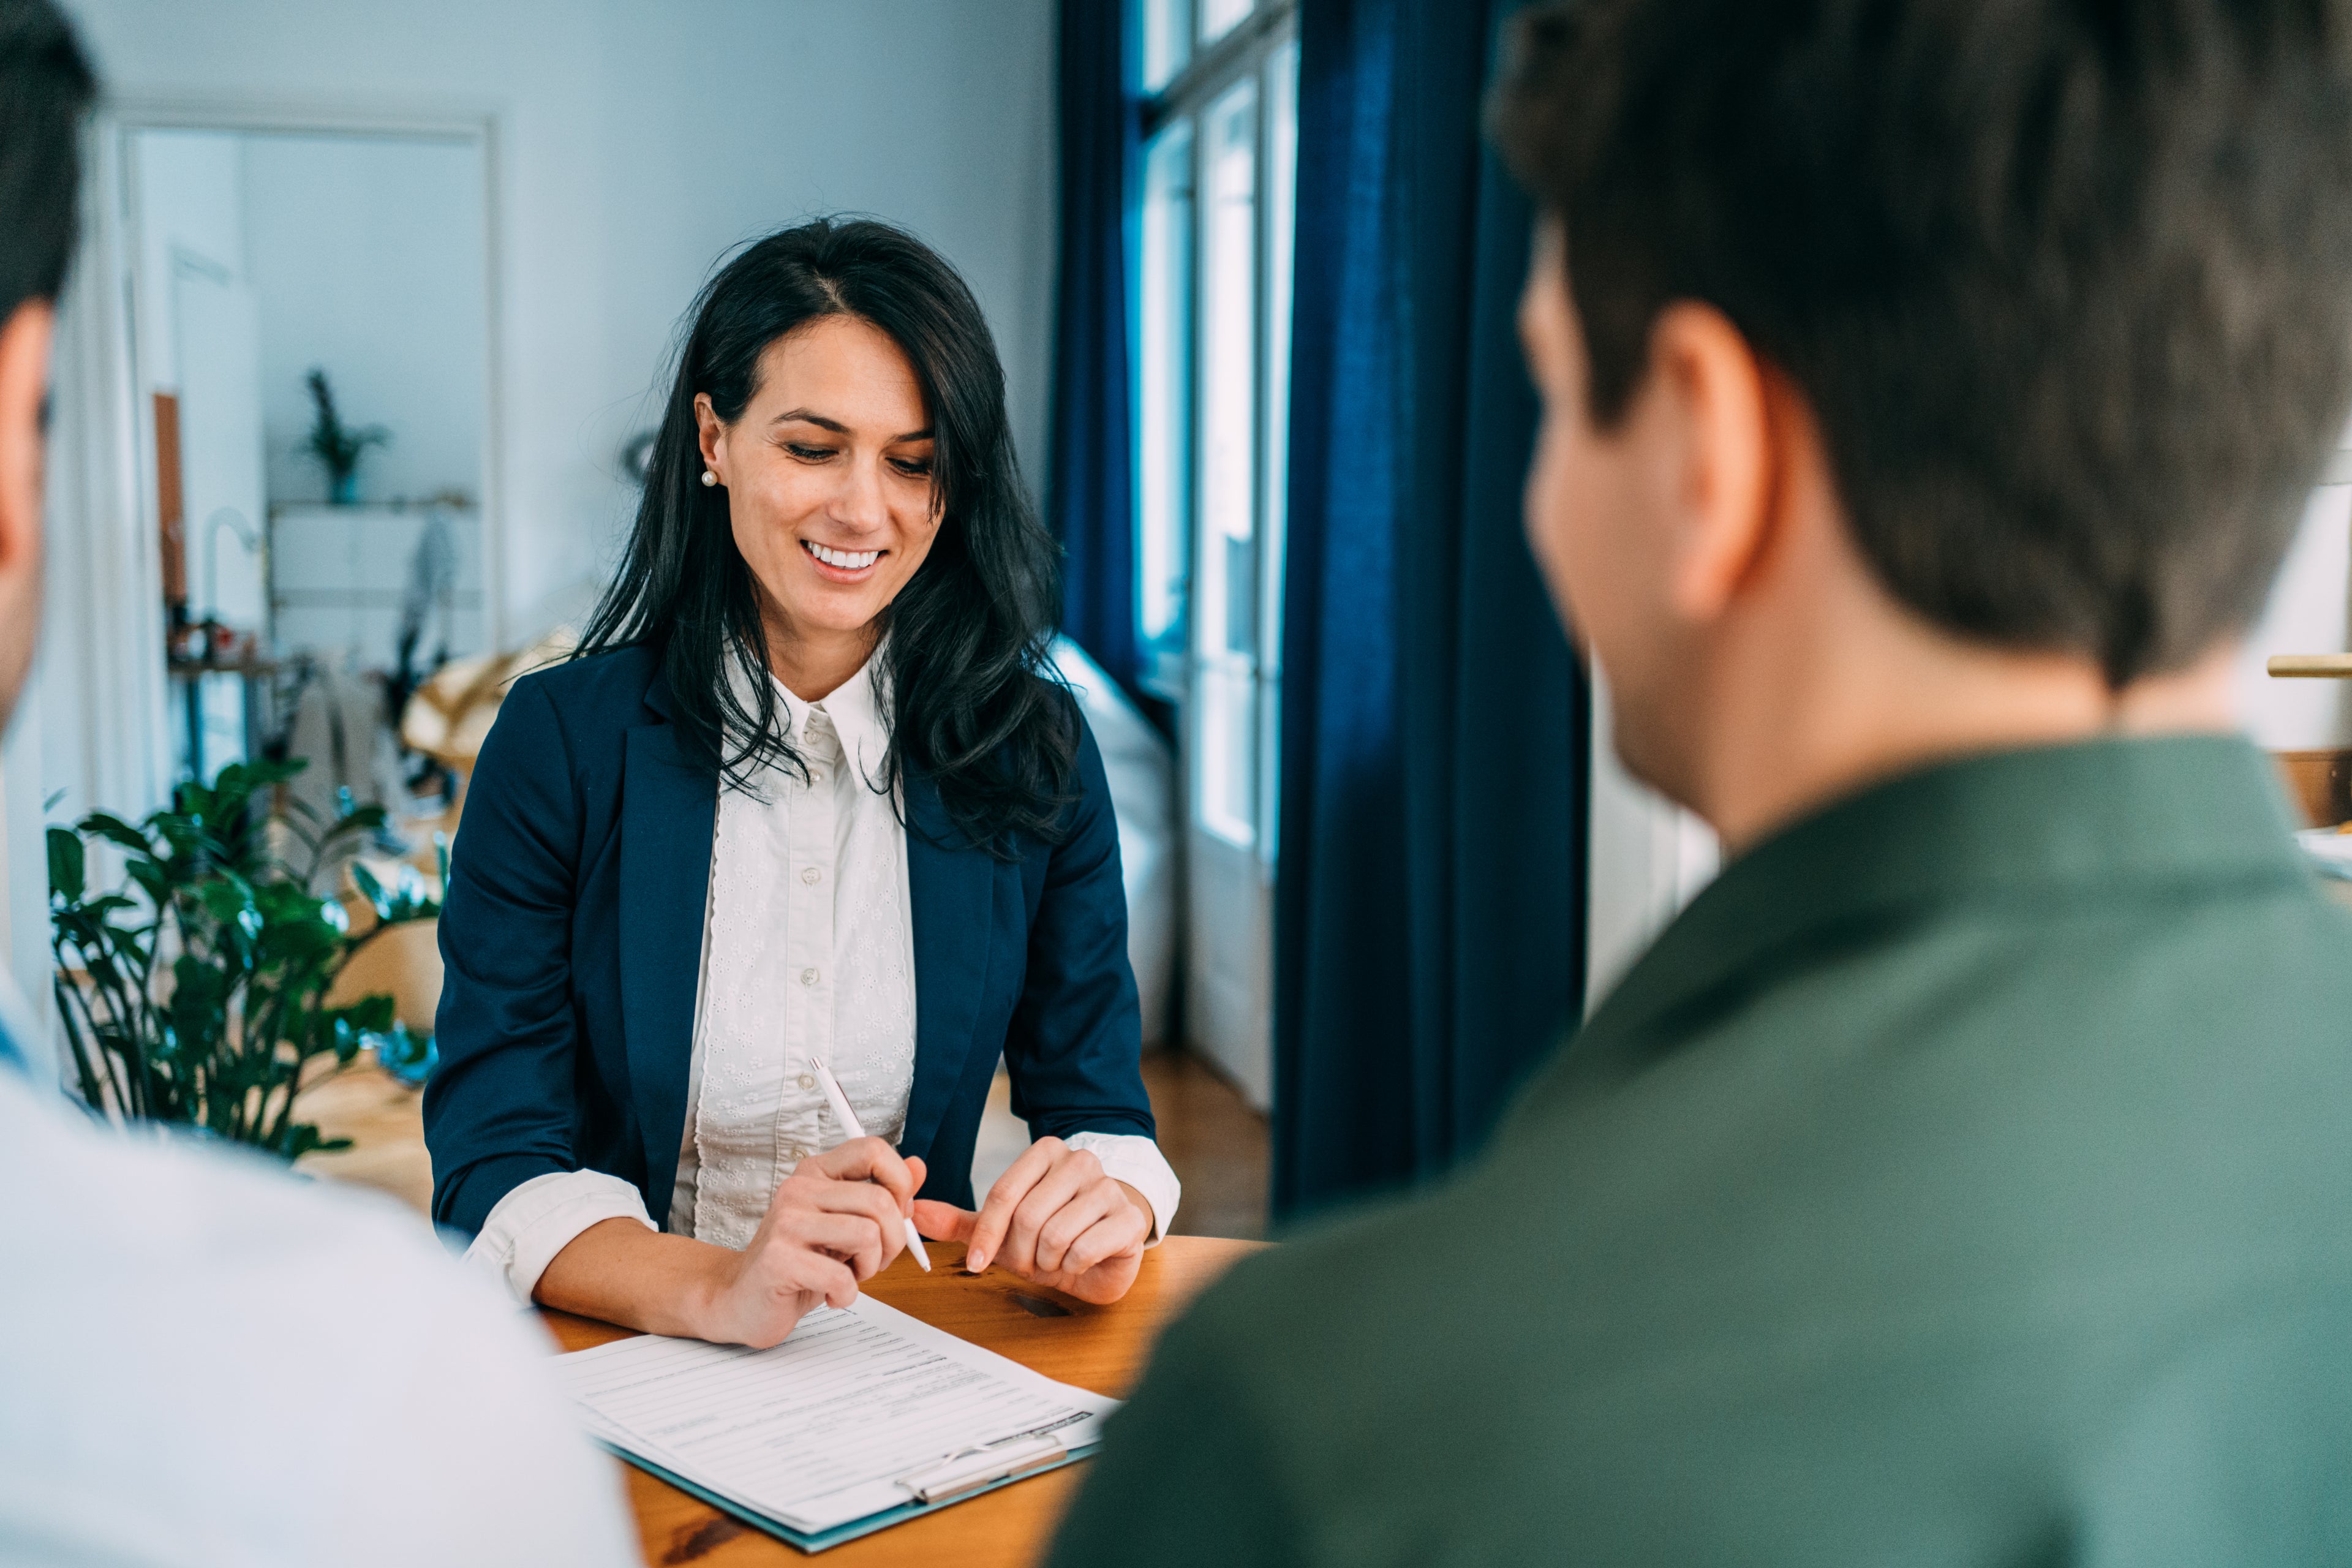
column 815, row 1431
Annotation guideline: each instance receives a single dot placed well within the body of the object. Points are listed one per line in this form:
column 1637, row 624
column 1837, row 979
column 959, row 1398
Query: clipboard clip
column 967, row 1469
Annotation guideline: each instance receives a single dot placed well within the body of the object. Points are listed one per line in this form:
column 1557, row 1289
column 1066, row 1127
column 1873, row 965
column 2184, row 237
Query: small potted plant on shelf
column 337, row 445
column 194, row 995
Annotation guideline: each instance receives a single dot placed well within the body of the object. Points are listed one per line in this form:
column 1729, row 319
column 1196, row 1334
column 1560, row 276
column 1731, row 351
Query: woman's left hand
column 1055, row 1217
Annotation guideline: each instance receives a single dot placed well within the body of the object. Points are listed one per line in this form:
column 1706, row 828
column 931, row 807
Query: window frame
column 1245, row 49
column 1251, row 49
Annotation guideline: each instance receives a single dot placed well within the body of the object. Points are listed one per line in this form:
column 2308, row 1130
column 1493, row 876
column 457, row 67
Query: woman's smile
column 841, row 565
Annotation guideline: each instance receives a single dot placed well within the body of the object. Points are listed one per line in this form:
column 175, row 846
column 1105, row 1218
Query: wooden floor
column 1216, row 1143
column 385, row 1119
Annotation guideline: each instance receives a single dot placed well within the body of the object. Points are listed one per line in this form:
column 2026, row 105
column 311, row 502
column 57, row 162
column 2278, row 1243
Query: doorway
column 310, row 342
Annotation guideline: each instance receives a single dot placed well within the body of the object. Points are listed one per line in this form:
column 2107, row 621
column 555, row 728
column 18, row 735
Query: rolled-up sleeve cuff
column 526, row 1228
column 1137, row 1161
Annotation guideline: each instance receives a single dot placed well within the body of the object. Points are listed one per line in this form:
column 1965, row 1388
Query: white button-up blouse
column 807, row 956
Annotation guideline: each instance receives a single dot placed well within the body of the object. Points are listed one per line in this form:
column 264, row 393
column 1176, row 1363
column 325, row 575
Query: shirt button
column 808, row 1080
column 816, row 776
column 808, row 976
column 812, row 876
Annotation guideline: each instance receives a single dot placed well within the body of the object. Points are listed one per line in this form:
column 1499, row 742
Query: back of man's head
column 45, row 89
column 2066, row 283
column 45, row 86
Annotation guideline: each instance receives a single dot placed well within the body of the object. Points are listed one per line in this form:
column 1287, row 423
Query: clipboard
column 818, row 1541
column 861, row 1418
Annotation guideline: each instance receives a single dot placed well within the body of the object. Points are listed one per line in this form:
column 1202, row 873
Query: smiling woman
column 840, row 385
column 806, row 799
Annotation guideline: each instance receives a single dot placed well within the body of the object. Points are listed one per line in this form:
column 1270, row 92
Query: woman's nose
column 860, row 502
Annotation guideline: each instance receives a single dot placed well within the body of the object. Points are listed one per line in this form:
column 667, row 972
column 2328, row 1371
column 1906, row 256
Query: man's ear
column 24, row 385
column 1713, row 397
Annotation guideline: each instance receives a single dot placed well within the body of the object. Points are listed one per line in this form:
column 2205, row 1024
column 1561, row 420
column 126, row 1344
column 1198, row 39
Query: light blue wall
column 636, row 140
column 366, row 258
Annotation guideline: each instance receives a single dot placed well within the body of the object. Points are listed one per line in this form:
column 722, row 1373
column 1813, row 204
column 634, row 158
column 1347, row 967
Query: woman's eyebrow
column 807, row 416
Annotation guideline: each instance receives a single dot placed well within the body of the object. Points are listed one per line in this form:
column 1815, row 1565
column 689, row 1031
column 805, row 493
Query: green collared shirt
column 1965, row 1178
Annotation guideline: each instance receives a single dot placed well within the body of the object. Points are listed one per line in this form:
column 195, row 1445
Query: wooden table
column 1101, row 1348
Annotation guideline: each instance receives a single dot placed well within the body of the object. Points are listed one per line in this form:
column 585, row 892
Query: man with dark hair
column 1930, row 388
column 201, row 1361
column 46, row 87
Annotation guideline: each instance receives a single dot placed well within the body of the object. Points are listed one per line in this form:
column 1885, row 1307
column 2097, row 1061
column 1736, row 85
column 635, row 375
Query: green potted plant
column 337, row 445
column 193, row 994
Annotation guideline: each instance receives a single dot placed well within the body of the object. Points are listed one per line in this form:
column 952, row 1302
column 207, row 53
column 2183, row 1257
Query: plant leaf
column 67, row 865
column 371, row 891
column 368, row 1016
column 106, row 825
column 152, row 880
column 303, row 1138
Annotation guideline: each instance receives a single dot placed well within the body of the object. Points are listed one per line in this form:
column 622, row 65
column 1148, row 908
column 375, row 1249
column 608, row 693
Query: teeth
column 848, row 561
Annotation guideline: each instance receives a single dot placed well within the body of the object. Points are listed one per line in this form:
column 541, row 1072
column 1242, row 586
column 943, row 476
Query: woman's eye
column 914, row 468
column 809, row 453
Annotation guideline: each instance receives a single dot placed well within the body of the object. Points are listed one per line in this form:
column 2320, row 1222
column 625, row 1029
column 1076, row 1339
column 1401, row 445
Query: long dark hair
column 973, row 703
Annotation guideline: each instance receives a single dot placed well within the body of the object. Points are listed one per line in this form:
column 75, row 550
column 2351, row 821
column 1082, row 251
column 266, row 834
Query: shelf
column 191, row 668
column 2312, row 666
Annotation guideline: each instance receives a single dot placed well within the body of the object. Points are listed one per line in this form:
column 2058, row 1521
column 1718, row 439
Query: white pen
column 848, row 1120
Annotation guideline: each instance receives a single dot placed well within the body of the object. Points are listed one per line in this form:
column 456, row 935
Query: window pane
column 1167, row 40
column 1226, row 603
column 1163, row 405
column 1218, row 16
column 1281, row 202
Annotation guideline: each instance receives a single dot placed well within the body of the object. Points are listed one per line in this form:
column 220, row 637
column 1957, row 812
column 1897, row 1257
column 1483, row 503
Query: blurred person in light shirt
column 202, row 1360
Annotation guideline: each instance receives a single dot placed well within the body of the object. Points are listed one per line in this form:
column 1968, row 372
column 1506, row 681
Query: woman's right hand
column 838, row 1219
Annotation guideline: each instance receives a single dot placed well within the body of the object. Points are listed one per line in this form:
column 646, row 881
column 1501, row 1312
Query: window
column 1212, row 398
column 1167, row 41
column 1213, row 387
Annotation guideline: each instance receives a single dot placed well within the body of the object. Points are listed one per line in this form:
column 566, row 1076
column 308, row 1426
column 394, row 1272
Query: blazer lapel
column 951, row 890
column 668, row 813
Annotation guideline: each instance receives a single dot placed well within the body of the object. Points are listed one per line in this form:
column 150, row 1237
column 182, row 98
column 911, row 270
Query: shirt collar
column 858, row 708
column 2105, row 818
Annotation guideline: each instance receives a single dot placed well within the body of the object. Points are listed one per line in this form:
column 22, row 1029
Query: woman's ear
column 1721, row 414
column 709, row 433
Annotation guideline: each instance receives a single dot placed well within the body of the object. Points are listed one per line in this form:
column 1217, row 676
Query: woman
column 803, row 799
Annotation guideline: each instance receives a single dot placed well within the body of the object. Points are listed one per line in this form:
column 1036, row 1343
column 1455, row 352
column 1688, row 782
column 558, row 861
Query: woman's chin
column 833, row 609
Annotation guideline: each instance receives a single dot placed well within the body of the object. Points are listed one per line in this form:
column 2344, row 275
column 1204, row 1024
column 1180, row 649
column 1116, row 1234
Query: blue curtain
column 1090, row 480
column 1430, row 898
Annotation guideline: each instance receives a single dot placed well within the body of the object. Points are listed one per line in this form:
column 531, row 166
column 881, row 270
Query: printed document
column 819, row 1430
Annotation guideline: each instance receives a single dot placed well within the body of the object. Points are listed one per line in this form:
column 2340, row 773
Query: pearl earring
column 709, row 478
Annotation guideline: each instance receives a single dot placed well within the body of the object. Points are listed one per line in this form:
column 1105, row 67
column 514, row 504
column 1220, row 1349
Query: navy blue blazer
column 572, row 940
